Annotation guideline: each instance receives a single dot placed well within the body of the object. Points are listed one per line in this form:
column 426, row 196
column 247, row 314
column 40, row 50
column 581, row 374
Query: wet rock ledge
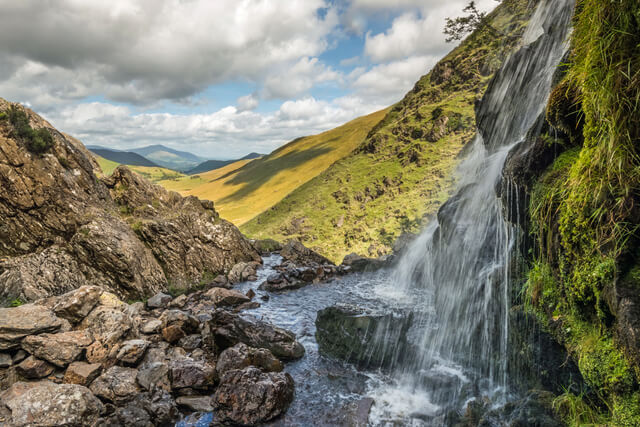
column 86, row 358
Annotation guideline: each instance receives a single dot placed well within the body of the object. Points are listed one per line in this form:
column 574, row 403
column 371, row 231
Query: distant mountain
column 123, row 157
column 211, row 165
column 169, row 158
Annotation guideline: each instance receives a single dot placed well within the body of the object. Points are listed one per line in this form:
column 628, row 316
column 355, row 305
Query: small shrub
column 16, row 302
column 38, row 141
column 3, row 115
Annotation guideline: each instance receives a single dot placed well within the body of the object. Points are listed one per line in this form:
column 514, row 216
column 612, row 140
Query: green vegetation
column 246, row 188
column 37, row 140
column 153, row 174
column 583, row 209
column 403, row 170
column 16, row 303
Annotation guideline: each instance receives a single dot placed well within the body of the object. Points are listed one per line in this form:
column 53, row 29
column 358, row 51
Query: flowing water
column 454, row 278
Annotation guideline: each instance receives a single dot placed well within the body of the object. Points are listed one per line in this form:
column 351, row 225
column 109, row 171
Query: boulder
column 251, row 397
column 225, row 297
column 116, row 384
column 300, row 255
column 107, row 323
column 159, row 300
column 33, row 368
column 18, row 322
column 229, row 329
column 172, row 334
column 132, row 351
column 146, row 409
column 82, row 373
column 191, row 342
column 241, row 356
column 59, row 349
column 352, row 334
column 47, row 404
column 267, row 246
column 185, row 372
column 359, row 263
column 242, row 272
column 76, row 305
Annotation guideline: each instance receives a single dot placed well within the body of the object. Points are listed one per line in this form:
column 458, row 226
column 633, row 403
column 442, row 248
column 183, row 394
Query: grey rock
column 189, row 373
column 47, row 404
column 159, row 300
column 229, row 329
column 241, row 356
column 5, row 360
column 191, row 342
column 59, row 349
column 250, row 396
column 116, row 384
column 76, row 305
column 152, row 326
column 196, row 403
column 154, row 375
column 132, row 351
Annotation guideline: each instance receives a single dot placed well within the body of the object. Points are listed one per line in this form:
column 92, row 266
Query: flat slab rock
column 19, row 322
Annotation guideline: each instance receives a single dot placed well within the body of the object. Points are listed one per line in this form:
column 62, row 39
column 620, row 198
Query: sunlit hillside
column 246, row 188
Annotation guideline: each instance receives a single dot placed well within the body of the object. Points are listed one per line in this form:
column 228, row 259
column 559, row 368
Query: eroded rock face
column 250, row 396
column 48, row 404
column 61, row 227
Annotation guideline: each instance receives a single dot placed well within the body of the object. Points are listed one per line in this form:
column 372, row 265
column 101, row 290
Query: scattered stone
column 116, row 384
column 225, row 297
column 5, row 360
column 178, row 302
column 82, row 373
column 250, row 396
column 132, row 351
column 159, row 300
column 229, row 329
column 154, row 375
column 33, row 368
column 47, row 404
column 188, row 373
column 152, row 326
column 191, row 342
column 250, row 294
column 173, row 334
column 196, row 403
column 19, row 322
column 251, row 305
column 59, row 349
column 241, row 356
column 359, row 263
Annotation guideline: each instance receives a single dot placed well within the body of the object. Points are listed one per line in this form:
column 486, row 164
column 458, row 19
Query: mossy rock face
column 564, row 111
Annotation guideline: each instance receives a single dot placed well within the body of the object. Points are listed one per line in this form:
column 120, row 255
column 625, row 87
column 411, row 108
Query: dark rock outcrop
column 365, row 339
column 61, row 227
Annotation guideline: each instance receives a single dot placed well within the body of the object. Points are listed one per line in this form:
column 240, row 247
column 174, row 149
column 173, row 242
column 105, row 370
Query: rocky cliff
column 61, row 227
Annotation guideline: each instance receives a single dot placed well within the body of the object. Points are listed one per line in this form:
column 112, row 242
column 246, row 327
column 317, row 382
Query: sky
column 219, row 78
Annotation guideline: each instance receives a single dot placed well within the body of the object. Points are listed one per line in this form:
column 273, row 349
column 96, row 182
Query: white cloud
column 295, row 80
column 141, row 51
column 247, row 103
column 417, row 32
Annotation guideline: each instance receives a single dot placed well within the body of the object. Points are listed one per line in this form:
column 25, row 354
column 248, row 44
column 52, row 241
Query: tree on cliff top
column 458, row 28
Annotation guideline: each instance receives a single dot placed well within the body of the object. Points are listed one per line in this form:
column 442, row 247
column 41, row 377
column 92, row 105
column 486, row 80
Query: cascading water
column 457, row 272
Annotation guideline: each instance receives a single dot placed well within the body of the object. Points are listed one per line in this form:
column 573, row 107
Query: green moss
column 16, row 303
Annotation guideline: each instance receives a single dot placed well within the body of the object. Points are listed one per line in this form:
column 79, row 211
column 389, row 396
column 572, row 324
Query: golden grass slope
column 153, row 174
column 246, row 188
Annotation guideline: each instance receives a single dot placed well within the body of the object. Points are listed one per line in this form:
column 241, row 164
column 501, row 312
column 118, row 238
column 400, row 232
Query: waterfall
column 457, row 272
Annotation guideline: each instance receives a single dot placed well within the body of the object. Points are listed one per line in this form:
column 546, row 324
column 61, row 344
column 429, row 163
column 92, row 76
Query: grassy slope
column 154, row 174
column 403, row 171
column 246, row 188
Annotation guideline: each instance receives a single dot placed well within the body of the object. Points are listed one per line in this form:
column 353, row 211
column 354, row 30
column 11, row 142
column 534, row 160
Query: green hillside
column 246, row 188
column 151, row 173
column 402, row 172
